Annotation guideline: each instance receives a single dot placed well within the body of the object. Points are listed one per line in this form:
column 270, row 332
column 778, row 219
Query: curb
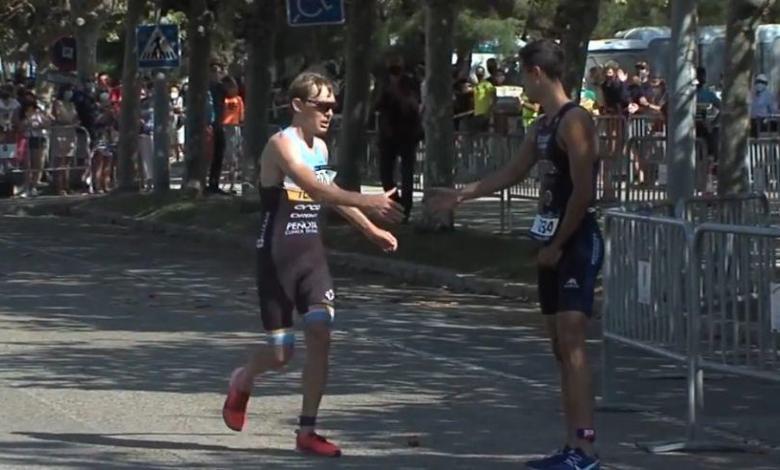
column 402, row 270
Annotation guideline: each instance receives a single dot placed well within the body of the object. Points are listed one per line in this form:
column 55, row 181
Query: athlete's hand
column 384, row 240
column 445, row 199
column 549, row 256
column 384, row 207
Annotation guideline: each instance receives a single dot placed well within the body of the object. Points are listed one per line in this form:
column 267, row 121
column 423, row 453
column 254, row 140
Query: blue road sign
column 158, row 46
column 315, row 12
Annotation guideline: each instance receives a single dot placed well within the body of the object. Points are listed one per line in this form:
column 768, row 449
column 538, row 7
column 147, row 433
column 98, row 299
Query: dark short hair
column 545, row 54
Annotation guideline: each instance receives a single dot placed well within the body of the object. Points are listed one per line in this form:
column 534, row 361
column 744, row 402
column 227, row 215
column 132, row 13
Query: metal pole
column 681, row 133
column 162, row 133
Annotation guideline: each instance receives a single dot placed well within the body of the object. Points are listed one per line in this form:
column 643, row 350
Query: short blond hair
column 302, row 86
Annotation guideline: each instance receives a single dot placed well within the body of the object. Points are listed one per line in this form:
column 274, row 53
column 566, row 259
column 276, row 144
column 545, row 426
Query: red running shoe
column 313, row 443
column 234, row 409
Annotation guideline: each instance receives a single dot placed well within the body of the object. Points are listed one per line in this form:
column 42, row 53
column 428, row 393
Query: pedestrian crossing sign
column 158, row 46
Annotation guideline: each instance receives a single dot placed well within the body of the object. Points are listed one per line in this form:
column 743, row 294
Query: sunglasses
column 323, row 106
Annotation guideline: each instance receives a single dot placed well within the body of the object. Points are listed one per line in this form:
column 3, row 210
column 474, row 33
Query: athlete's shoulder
column 577, row 116
column 281, row 142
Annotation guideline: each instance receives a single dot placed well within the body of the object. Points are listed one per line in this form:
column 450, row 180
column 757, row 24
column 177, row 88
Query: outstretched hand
column 445, row 199
column 384, row 240
column 387, row 209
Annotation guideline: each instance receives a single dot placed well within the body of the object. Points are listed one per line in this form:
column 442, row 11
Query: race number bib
column 544, row 227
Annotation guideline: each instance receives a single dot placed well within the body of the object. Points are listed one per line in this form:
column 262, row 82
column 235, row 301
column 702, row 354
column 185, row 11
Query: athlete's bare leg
column 576, row 386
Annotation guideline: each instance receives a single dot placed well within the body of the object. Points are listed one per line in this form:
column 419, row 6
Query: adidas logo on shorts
column 571, row 284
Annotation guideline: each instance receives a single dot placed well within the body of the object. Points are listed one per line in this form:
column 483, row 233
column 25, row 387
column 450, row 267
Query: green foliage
column 472, row 27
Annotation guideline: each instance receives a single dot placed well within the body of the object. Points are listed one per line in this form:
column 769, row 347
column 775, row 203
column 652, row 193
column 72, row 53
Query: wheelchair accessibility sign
column 158, row 46
column 315, row 12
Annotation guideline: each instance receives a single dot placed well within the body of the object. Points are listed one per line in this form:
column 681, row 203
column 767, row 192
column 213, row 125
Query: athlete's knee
column 318, row 323
column 569, row 343
column 282, row 343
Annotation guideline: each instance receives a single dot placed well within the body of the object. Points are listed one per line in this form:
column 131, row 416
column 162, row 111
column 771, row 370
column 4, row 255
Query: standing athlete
column 292, row 269
column 563, row 143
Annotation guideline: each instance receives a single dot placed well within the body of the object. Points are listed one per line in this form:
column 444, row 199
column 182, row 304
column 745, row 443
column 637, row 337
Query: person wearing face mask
column 640, row 90
column 762, row 105
column 614, row 90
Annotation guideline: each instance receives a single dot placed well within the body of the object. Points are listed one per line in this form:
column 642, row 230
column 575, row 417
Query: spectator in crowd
column 8, row 107
column 707, row 110
column 616, row 96
column 103, row 82
column 762, row 105
column 115, row 94
column 178, row 128
column 32, row 120
column 232, row 120
column 146, row 138
column 640, row 91
column 217, row 91
column 64, row 137
column 400, row 130
column 463, row 102
column 492, row 68
column 106, row 137
column 484, row 97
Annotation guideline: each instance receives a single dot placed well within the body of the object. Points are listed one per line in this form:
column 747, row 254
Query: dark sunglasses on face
column 323, row 106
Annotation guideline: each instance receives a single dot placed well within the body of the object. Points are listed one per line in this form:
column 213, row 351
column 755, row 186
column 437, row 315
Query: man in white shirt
column 8, row 107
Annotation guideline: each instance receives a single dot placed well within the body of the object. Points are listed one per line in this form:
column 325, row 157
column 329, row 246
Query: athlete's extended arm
column 384, row 239
column 579, row 138
column 509, row 174
column 304, row 177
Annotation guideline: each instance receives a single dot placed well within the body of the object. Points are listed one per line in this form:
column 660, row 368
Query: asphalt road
column 115, row 348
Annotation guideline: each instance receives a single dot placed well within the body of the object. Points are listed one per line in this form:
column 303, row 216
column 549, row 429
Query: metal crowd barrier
column 763, row 163
column 67, row 149
column 72, row 144
column 736, row 324
column 702, row 296
column 740, row 209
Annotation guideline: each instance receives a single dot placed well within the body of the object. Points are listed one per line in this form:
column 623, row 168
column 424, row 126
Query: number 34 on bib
column 544, row 227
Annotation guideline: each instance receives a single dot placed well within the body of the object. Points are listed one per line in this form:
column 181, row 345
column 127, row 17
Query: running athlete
column 292, row 269
column 562, row 143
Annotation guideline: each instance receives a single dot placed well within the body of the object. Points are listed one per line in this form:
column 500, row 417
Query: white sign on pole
column 644, row 282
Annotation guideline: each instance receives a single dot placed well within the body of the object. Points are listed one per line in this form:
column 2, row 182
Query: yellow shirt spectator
column 484, row 94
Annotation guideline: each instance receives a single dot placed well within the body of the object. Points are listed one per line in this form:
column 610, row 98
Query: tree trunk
column 744, row 16
column 574, row 22
column 439, row 128
column 86, row 47
column 88, row 17
column 199, row 36
column 352, row 137
column 681, row 134
column 261, row 45
column 129, row 111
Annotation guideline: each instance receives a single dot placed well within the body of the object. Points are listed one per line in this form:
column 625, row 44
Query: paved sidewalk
column 115, row 347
